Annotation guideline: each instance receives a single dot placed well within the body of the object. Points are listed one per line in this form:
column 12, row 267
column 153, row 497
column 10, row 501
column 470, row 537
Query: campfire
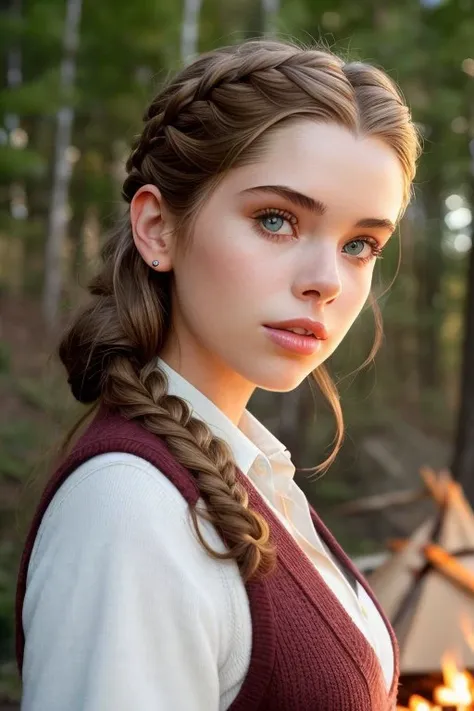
column 456, row 692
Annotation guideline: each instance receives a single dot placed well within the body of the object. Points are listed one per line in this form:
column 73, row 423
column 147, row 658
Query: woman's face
column 293, row 236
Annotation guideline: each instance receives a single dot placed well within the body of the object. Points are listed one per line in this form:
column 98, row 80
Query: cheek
column 356, row 289
column 223, row 271
column 356, row 285
column 231, row 261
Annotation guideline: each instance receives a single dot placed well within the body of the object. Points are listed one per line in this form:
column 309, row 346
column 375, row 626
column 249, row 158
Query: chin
column 284, row 375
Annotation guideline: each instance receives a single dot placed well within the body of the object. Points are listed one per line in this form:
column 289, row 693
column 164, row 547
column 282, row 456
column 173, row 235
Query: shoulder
column 122, row 515
column 122, row 497
column 115, row 475
column 117, row 539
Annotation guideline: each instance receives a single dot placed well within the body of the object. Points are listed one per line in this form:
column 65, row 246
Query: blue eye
column 273, row 223
column 355, row 247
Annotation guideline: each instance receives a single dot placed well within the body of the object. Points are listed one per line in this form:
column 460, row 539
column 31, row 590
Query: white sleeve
column 120, row 612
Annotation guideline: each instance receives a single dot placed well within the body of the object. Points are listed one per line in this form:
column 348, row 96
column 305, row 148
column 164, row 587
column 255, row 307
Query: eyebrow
column 316, row 206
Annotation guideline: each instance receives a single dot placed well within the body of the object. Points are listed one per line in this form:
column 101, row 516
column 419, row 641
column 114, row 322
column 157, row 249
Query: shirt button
column 261, row 467
column 363, row 609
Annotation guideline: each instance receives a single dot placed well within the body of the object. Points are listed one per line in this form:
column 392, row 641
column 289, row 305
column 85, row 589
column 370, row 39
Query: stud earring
column 155, row 262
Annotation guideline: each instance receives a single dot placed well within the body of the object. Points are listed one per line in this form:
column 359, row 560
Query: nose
column 319, row 280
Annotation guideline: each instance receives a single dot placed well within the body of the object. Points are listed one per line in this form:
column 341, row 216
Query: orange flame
column 458, row 689
column 418, row 703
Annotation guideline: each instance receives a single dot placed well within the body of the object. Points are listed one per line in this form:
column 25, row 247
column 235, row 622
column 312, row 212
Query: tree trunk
column 429, row 276
column 14, row 66
column 270, row 14
column 61, row 170
column 463, row 459
column 18, row 197
column 190, row 29
column 463, row 463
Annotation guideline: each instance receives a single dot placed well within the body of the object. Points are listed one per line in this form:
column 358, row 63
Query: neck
column 228, row 390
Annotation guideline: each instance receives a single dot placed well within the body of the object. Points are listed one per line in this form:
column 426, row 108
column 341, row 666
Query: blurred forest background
column 76, row 77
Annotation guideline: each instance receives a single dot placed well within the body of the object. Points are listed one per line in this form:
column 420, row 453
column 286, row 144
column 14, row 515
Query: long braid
column 209, row 458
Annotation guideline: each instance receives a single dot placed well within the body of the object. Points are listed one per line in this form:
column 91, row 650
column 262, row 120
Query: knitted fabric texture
column 307, row 653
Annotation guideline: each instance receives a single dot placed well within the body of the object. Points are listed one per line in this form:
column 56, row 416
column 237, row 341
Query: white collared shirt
column 124, row 608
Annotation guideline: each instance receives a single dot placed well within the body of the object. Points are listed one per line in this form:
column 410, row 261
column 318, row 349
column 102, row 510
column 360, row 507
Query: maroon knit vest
column 307, row 653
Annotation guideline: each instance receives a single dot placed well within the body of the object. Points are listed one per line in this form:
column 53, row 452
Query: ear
column 152, row 227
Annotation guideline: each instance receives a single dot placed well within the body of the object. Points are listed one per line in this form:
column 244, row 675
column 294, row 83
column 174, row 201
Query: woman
column 173, row 563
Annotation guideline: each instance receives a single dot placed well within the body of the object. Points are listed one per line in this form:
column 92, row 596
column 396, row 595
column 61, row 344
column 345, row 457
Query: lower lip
column 304, row 345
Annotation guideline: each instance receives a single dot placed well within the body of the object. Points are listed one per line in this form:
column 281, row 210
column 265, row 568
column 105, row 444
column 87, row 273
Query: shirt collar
column 247, row 441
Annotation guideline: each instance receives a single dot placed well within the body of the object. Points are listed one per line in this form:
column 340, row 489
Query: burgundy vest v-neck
column 307, row 653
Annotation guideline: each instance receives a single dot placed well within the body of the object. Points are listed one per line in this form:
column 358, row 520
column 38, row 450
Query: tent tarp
column 429, row 611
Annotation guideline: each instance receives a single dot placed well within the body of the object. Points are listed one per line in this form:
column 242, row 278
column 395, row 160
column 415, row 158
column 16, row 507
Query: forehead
column 359, row 175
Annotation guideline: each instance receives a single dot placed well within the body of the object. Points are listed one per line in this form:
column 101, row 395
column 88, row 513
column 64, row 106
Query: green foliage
column 5, row 358
column 40, row 96
column 17, row 438
column 15, row 165
column 10, row 685
column 37, row 394
column 6, row 600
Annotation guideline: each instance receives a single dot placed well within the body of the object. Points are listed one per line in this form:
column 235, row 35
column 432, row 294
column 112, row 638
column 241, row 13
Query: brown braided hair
column 214, row 115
